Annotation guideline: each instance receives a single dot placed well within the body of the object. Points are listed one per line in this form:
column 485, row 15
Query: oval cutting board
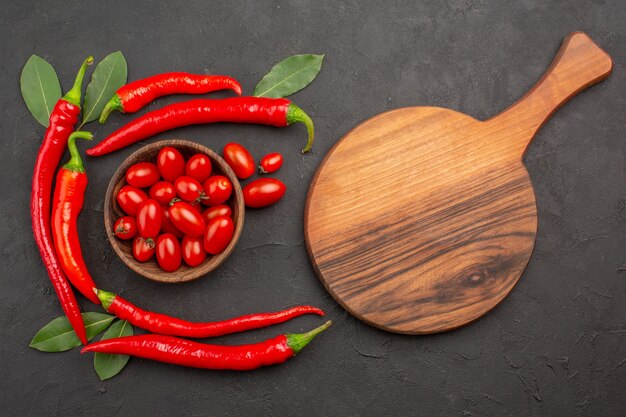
column 422, row 219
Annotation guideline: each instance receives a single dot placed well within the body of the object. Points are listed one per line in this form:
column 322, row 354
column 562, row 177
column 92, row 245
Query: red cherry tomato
column 143, row 249
column 216, row 211
column 239, row 159
column 149, row 219
column 167, row 226
column 198, row 167
column 193, row 250
column 163, row 192
column 217, row 190
column 270, row 163
column 142, row 175
column 168, row 252
column 171, row 163
column 263, row 192
column 218, row 235
column 189, row 189
column 129, row 198
column 125, row 228
column 186, row 219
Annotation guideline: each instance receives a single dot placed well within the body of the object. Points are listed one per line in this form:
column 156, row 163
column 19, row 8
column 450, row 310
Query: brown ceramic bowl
column 112, row 212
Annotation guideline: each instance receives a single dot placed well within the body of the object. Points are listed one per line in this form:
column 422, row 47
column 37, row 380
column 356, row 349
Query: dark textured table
column 555, row 347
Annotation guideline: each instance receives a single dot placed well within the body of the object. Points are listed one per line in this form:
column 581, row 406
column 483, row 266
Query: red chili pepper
column 277, row 112
column 198, row 355
column 136, row 95
column 62, row 120
column 69, row 195
column 163, row 324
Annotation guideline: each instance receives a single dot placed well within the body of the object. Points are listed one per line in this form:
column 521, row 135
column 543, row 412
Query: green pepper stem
column 297, row 342
column 114, row 104
column 106, row 298
column 75, row 164
column 73, row 96
column 296, row 114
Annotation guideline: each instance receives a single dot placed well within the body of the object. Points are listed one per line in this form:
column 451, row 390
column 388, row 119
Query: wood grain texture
column 422, row 219
column 112, row 212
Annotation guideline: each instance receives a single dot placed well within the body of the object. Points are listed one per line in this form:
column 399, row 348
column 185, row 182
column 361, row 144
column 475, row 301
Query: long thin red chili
column 277, row 112
column 137, row 94
column 62, row 120
column 198, row 355
column 163, row 324
column 69, row 195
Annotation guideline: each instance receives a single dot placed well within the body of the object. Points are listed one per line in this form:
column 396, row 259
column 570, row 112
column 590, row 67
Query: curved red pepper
column 62, row 120
column 167, row 325
column 198, row 355
column 69, row 195
column 136, row 95
column 277, row 112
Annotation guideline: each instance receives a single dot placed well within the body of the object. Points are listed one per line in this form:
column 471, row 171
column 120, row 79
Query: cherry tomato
column 167, row 226
column 186, row 219
column 216, row 211
column 217, row 190
column 149, row 218
column 171, row 163
column 168, row 252
column 193, row 250
column 143, row 249
column 198, row 167
column 218, row 235
column 189, row 189
column 125, row 228
column 163, row 192
column 263, row 192
column 270, row 163
column 239, row 160
column 129, row 198
column 142, row 175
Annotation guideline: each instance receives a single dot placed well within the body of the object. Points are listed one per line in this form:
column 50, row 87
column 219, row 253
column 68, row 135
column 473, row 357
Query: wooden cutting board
column 422, row 219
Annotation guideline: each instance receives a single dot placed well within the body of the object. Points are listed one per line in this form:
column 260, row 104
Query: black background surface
column 554, row 347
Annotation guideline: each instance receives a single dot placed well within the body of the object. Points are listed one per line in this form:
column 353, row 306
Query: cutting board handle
column 579, row 64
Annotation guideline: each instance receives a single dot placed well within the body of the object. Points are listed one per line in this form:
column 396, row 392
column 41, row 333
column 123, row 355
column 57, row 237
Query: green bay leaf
column 289, row 75
column 109, row 75
column 108, row 365
column 59, row 336
column 40, row 88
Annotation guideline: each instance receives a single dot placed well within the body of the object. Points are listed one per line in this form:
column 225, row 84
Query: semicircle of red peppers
column 137, row 94
column 277, row 112
column 62, row 120
column 167, row 325
column 184, row 352
column 69, row 195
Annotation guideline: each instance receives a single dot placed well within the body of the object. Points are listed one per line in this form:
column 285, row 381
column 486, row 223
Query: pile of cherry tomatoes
column 177, row 211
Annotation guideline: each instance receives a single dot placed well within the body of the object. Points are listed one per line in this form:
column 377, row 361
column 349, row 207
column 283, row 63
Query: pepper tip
column 112, row 105
column 297, row 342
column 105, row 297
column 296, row 114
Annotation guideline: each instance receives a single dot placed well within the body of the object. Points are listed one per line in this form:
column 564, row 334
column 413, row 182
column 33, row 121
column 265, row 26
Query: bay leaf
column 289, row 75
column 109, row 75
column 59, row 336
column 40, row 88
column 108, row 365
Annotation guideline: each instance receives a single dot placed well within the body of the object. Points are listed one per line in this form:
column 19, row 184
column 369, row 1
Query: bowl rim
column 212, row 262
